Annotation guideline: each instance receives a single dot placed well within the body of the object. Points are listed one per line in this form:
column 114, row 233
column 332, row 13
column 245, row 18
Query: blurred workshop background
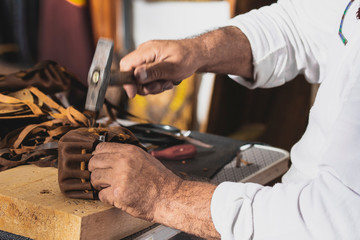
column 66, row 31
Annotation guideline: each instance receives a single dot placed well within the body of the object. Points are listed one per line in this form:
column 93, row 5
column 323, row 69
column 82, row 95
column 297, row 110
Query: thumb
column 156, row 71
column 131, row 90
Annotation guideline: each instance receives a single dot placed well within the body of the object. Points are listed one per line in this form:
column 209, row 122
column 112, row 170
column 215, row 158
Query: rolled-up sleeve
column 231, row 208
column 286, row 39
column 323, row 208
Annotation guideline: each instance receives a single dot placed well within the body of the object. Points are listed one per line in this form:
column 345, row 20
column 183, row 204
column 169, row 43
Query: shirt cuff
column 231, row 209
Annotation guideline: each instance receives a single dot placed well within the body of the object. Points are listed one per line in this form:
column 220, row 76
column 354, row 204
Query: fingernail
column 142, row 74
column 130, row 90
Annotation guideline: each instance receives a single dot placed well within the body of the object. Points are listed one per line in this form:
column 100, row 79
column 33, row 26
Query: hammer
column 100, row 75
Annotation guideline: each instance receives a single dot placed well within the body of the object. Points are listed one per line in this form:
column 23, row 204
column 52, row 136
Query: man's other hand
column 160, row 64
column 129, row 178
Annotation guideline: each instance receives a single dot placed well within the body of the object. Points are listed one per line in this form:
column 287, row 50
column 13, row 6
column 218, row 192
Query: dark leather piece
column 38, row 147
column 75, row 151
column 47, row 76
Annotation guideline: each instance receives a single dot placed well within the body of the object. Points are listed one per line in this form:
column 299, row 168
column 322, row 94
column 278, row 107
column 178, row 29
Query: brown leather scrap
column 34, row 144
column 48, row 76
column 31, row 102
column 30, row 143
column 75, row 151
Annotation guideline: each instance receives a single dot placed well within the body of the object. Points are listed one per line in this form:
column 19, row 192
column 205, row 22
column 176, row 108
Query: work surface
column 32, row 205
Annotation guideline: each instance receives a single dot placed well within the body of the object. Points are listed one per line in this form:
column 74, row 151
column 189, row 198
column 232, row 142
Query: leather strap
column 22, row 145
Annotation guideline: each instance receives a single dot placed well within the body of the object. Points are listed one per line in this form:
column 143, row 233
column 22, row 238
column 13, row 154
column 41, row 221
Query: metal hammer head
column 99, row 74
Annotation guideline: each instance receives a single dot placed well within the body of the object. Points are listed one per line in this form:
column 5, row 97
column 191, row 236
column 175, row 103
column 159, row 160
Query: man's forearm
column 187, row 208
column 225, row 50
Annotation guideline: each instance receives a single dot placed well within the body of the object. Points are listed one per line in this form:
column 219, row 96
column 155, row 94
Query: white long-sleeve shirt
column 320, row 195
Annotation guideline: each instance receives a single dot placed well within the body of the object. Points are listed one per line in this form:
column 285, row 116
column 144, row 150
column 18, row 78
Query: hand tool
column 160, row 131
column 177, row 152
column 180, row 152
column 100, row 75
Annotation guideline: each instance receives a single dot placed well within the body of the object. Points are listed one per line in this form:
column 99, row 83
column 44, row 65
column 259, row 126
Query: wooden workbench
column 32, row 205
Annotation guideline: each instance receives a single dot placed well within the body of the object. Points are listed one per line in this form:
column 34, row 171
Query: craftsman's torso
column 336, row 94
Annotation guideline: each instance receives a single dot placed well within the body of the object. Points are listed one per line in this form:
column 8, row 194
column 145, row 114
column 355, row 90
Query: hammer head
column 99, row 74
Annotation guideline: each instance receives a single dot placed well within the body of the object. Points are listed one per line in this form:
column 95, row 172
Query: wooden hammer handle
column 119, row 78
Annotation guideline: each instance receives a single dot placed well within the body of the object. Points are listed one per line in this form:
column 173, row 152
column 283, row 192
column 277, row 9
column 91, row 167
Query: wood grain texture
column 32, row 205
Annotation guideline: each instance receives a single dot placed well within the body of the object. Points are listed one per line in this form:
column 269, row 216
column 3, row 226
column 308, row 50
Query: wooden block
column 32, row 205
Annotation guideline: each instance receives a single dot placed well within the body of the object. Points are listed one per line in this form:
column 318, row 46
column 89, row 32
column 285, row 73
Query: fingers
column 154, row 71
column 111, row 147
column 149, row 79
column 136, row 58
column 150, row 88
column 106, row 154
column 102, row 160
column 155, row 87
column 106, row 195
column 160, row 76
column 101, row 178
column 130, row 89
